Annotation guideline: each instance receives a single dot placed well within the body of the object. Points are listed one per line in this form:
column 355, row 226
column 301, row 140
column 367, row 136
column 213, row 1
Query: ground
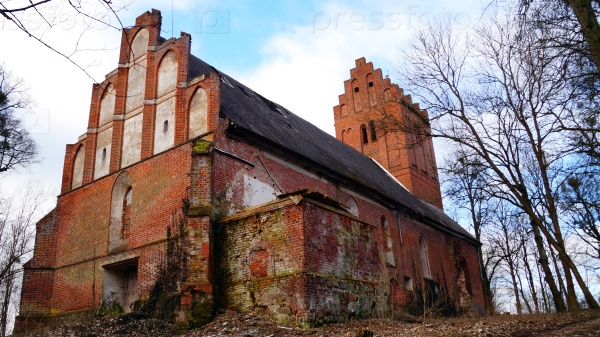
column 232, row 324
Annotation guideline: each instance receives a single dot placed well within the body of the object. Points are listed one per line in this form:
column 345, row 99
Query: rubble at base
column 234, row 324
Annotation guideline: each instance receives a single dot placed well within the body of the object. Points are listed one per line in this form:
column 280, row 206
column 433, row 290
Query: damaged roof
column 254, row 115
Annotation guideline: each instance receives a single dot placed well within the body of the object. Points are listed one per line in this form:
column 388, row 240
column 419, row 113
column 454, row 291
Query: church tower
column 367, row 100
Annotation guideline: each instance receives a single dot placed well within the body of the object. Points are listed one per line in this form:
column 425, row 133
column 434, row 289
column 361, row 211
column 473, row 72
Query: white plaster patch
column 107, row 106
column 164, row 131
column 103, row 146
column 167, row 74
column 136, row 85
column 132, row 140
column 139, row 46
column 257, row 192
column 198, row 113
column 78, row 167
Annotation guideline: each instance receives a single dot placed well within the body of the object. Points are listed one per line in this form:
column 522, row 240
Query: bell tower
column 367, row 101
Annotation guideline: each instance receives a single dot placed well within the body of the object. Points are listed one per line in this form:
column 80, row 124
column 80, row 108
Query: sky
column 296, row 53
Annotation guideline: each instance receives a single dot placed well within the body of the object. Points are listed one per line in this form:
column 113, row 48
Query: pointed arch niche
column 107, row 105
column 136, row 79
column 198, row 113
column 78, row 164
column 167, row 74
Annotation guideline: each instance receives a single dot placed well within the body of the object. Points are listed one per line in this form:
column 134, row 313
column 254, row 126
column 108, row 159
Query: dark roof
column 275, row 124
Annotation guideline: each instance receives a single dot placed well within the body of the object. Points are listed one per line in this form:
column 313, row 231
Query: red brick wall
column 80, row 232
column 262, row 260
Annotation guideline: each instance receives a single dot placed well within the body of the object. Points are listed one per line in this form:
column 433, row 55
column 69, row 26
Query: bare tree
column 18, row 215
column 17, row 148
column 577, row 19
column 581, row 202
column 500, row 92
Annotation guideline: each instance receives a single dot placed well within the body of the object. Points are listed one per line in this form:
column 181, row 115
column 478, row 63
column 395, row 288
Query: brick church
column 277, row 215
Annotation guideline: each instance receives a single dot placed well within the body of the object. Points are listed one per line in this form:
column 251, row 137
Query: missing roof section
column 274, row 107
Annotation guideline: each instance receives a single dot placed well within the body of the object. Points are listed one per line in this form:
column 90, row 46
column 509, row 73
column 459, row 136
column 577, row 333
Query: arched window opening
column 363, row 134
column 352, row 206
column 389, row 249
column 463, row 283
column 424, row 258
column 166, row 126
column 121, row 212
column 372, row 130
column 371, row 89
column 103, row 154
column 356, row 95
column 399, row 228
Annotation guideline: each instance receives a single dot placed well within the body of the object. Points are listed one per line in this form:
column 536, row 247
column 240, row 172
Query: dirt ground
column 585, row 323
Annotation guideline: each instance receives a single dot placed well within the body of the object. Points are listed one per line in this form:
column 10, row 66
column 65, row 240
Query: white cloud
column 304, row 67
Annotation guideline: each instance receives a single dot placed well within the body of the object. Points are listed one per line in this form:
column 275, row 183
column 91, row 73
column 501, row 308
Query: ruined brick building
column 279, row 216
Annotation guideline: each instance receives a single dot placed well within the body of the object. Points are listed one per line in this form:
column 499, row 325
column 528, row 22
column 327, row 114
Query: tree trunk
column 590, row 28
column 591, row 301
column 515, row 286
column 530, row 279
column 5, row 305
column 559, row 303
column 527, row 305
column 485, row 281
column 545, row 298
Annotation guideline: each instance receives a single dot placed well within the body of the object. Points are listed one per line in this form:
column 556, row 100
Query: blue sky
column 297, row 53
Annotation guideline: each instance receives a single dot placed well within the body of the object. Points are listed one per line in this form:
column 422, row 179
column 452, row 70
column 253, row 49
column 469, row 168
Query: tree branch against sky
column 37, row 20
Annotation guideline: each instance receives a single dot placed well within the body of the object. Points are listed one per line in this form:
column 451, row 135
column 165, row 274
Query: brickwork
column 255, row 240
